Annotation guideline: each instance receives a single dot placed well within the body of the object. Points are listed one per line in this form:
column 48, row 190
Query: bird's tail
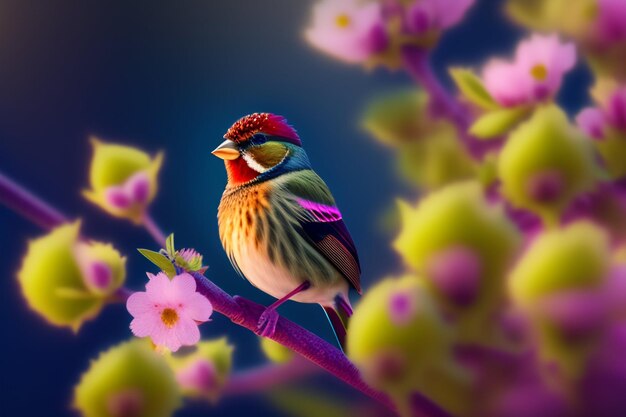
column 338, row 314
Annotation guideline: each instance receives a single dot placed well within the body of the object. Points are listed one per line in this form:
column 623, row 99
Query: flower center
column 343, row 21
column 169, row 317
column 539, row 72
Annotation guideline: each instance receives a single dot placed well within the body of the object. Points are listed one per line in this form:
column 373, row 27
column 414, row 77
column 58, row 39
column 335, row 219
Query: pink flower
column 610, row 24
column 169, row 311
column 536, row 73
column 350, row 30
column 610, row 114
column 425, row 15
column 591, row 121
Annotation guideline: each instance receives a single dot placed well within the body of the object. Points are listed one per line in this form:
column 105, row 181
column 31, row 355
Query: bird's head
column 261, row 145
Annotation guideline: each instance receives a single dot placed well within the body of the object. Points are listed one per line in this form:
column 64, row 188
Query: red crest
column 267, row 123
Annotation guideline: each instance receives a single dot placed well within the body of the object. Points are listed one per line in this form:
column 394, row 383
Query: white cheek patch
column 253, row 164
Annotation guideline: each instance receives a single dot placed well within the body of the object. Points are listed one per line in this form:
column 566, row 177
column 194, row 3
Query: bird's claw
column 267, row 322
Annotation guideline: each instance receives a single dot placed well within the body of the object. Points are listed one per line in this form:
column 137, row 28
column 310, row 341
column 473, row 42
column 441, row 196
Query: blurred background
column 173, row 76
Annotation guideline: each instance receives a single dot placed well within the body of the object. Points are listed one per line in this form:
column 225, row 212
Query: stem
column 267, row 376
column 239, row 310
column 122, row 294
column 24, row 203
column 417, row 63
column 155, row 231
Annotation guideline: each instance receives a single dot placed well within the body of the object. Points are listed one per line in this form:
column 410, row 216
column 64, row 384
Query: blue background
column 173, row 76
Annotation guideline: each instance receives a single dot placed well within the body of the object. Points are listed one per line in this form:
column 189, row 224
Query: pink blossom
column 591, row 121
column 610, row 114
column 610, row 24
column 350, row 30
column 168, row 311
column 425, row 15
column 534, row 75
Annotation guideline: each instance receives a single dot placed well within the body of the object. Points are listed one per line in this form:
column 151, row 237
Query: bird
column 279, row 224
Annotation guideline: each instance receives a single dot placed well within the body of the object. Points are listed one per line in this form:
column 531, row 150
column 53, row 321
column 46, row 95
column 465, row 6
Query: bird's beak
column 227, row 150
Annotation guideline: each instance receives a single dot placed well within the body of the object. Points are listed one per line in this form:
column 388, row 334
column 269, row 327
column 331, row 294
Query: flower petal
column 164, row 336
column 198, row 308
column 139, row 304
column 183, row 286
column 145, row 325
column 186, row 331
column 159, row 287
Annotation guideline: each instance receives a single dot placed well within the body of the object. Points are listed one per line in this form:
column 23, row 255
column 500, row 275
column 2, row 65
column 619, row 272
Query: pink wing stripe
column 321, row 212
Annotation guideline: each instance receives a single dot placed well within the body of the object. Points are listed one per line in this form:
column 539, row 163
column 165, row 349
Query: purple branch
column 27, row 205
column 267, row 376
column 239, row 310
column 417, row 63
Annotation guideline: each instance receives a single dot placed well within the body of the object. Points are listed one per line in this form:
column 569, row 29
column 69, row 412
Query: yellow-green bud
column 275, row 351
column 545, row 164
column 398, row 118
column 67, row 281
column 399, row 341
column 429, row 152
column 563, row 269
column 571, row 17
column 130, row 379
column 456, row 225
column 436, row 159
column 123, row 180
column 573, row 258
column 203, row 371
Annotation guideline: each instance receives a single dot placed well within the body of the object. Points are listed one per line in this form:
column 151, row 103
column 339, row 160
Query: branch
column 267, row 376
column 24, row 203
column 239, row 310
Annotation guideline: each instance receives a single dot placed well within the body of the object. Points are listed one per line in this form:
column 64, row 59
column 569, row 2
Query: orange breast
column 239, row 213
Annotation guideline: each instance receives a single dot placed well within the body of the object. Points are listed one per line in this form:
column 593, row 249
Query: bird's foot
column 267, row 322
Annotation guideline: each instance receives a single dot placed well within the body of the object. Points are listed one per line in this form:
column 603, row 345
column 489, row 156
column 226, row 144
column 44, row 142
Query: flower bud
column 462, row 246
column 399, row 340
column 275, row 351
column 202, row 372
column 128, row 380
column 429, row 152
column 545, row 164
column 573, row 258
column 123, row 180
column 558, row 284
column 67, row 281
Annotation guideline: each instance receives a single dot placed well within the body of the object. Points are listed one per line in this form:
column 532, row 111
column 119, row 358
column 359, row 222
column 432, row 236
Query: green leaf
column 472, row 88
column 498, row 122
column 169, row 245
column 161, row 261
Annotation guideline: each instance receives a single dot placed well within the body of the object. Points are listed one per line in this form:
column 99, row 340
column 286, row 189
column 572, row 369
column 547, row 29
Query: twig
column 154, row 230
column 267, row 376
column 28, row 205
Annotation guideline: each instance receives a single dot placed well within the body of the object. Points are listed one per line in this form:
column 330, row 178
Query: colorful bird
column 279, row 224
